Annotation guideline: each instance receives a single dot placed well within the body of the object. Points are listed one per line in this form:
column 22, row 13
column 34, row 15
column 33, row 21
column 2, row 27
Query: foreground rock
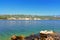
column 43, row 35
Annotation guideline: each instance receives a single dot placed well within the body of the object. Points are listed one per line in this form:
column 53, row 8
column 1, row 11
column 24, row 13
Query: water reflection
column 19, row 22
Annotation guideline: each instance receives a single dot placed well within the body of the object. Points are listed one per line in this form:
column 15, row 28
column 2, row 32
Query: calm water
column 8, row 28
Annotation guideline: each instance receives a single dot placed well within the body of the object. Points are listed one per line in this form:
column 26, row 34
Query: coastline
column 28, row 17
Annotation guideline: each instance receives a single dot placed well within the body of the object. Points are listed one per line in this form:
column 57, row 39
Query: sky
column 30, row 7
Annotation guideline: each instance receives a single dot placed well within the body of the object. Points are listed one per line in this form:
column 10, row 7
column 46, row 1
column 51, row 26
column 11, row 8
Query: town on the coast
column 28, row 17
column 43, row 35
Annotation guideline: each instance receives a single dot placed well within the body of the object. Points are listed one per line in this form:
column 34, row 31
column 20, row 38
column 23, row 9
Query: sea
column 26, row 27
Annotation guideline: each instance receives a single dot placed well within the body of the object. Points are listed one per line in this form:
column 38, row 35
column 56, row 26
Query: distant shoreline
column 28, row 17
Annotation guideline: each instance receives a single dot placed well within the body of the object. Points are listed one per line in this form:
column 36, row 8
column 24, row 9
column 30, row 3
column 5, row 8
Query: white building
column 11, row 18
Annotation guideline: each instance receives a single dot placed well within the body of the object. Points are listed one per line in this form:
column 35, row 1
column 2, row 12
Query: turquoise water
column 11, row 27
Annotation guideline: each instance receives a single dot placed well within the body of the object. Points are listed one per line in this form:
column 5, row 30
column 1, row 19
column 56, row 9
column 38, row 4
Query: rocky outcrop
column 39, row 36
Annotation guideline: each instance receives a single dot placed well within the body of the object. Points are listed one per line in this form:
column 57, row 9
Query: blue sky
column 30, row 7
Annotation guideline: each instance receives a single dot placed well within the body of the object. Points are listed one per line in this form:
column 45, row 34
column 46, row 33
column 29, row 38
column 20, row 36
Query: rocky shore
column 40, row 36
